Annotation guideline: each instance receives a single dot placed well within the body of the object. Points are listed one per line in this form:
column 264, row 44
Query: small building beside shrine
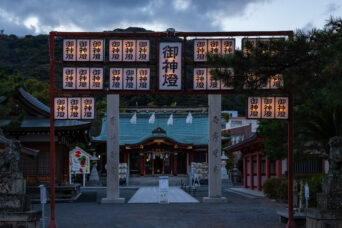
column 34, row 136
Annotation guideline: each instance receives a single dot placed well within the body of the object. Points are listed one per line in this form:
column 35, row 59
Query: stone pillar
column 113, row 150
column 251, row 172
column 214, row 151
column 267, row 168
column 258, row 172
column 142, row 164
column 245, row 171
column 175, row 165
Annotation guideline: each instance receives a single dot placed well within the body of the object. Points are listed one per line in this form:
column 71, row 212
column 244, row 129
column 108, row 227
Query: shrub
column 275, row 188
column 315, row 186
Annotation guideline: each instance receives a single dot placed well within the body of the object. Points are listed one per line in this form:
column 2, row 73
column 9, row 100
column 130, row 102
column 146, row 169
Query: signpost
column 43, row 202
column 131, row 70
column 163, row 189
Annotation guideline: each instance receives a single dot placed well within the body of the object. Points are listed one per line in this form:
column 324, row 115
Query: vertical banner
column 96, row 50
column 143, row 50
column 281, row 107
column 69, row 78
column 267, row 105
column 69, row 50
column 115, row 50
column 88, row 104
column 82, row 78
column 129, row 49
column 254, row 107
column 74, row 108
column 200, row 50
column 228, row 46
column 231, row 73
column 200, row 78
column 82, row 50
column 130, row 79
column 214, row 47
column 212, row 84
column 96, row 78
column 115, row 77
column 143, row 79
column 61, row 108
column 170, row 65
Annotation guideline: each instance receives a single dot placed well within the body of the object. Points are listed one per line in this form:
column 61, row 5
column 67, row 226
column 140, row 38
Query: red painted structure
column 184, row 91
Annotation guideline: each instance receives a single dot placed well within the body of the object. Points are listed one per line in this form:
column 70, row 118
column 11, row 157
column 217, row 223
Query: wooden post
column 251, row 172
column 258, row 172
column 267, row 168
column 142, row 164
column 244, row 171
column 175, row 164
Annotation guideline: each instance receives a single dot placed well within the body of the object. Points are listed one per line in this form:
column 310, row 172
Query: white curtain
column 189, row 119
column 170, row 120
column 152, row 119
column 133, row 120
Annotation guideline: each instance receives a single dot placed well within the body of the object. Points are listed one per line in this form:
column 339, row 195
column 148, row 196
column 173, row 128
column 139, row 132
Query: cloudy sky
column 23, row 17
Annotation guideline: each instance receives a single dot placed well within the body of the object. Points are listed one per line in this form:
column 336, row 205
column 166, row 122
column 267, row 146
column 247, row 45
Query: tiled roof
column 195, row 133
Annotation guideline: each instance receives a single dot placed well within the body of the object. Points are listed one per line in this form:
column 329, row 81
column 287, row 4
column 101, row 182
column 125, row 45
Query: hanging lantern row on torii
column 83, row 50
column 268, row 107
column 74, row 108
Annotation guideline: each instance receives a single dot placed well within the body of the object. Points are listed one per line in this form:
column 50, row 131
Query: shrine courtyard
column 240, row 210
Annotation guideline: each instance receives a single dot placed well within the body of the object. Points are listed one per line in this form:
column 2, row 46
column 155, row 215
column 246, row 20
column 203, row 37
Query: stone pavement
column 246, row 192
column 151, row 195
column 238, row 211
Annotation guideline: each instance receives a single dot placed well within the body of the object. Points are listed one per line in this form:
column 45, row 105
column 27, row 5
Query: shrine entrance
column 131, row 71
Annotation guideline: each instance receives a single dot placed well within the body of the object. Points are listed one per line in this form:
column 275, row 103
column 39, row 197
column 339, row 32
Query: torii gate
column 214, row 100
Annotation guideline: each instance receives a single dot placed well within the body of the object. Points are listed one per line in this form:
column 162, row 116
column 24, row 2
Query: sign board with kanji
column 170, row 65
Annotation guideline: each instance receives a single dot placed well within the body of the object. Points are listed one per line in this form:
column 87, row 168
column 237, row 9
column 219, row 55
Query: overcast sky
column 22, row 17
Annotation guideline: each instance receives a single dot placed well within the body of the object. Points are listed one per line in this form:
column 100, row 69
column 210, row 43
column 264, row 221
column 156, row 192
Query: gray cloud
column 87, row 15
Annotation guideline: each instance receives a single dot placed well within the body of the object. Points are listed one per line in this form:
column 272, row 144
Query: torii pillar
column 214, row 151
column 113, row 150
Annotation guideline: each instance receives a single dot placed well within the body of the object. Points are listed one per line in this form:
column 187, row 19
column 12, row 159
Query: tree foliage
column 311, row 66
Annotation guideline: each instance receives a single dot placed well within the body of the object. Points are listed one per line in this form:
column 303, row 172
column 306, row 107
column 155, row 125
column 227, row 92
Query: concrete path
column 246, row 192
column 151, row 195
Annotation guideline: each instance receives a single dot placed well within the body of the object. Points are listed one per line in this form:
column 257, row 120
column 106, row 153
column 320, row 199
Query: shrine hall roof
column 194, row 134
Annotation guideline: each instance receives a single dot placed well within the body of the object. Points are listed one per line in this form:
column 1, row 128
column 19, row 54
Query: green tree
column 311, row 66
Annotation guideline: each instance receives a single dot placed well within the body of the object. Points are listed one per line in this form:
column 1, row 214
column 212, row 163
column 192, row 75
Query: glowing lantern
column 143, row 78
column 61, row 108
column 254, row 107
column 200, row 78
column 115, row 50
column 88, row 107
column 281, row 107
column 130, row 79
column 143, row 50
column 82, row 78
column 200, row 50
column 115, row 75
column 69, row 78
column 69, row 50
column 267, row 107
column 96, row 50
column 96, row 78
column 74, row 108
column 129, row 49
column 82, row 50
